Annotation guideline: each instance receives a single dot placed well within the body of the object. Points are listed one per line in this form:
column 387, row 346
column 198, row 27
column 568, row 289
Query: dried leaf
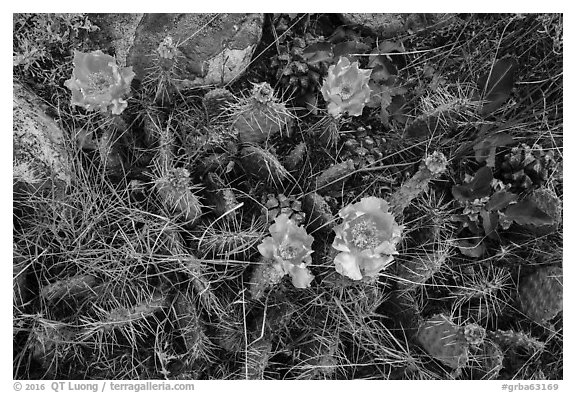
column 397, row 109
column 381, row 95
column 386, row 47
column 349, row 49
column 526, row 212
column 422, row 127
column 500, row 200
column 496, row 85
column 383, row 73
column 318, row 52
column 485, row 150
column 472, row 248
column 490, row 223
column 479, row 187
column 85, row 140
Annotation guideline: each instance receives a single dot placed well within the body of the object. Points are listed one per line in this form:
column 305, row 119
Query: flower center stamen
column 365, row 233
column 99, row 82
column 287, row 251
column 345, row 92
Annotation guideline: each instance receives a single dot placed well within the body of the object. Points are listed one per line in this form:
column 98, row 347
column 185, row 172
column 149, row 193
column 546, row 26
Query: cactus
column 222, row 197
column 474, row 334
column 318, row 358
column 121, row 317
column 510, row 339
column 260, row 116
column 230, row 329
column 487, row 361
column 20, row 286
column 212, row 139
column 540, row 294
column 262, row 164
column 294, row 159
column 433, row 166
column 416, row 271
column 444, row 341
column 264, row 277
column 189, row 326
column 318, row 211
column 216, row 103
column 228, row 238
column 333, row 177
column 257, row 355
column 79, row 285
column 549, row 203
column 51, row 342
column 407, row 311
column 174, row 191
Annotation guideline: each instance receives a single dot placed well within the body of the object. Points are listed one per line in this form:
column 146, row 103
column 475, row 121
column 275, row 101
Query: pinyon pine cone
column 527, row 166
column 274, row 205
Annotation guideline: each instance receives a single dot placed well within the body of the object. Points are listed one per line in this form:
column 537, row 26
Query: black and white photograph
column 287, row 196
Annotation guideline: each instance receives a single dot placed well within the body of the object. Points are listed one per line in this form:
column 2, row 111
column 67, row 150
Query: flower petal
column 267, row 247
column 371, row 266
column 301, row 276
column 347, row 265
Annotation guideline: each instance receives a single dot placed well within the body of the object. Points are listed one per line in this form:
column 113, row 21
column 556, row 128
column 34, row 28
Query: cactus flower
column 367, row 238
column 346, row 88
column 97, row 83
column 290, row 248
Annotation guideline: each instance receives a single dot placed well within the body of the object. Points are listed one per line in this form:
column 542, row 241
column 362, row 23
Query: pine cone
column 362, row 147
column 527, row 166
column 292, row 70
column 274, row 205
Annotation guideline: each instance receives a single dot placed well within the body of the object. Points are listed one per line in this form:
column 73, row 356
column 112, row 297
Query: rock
column 40, row 155
column 389, row 25
column 213, row 48
column 116, row 34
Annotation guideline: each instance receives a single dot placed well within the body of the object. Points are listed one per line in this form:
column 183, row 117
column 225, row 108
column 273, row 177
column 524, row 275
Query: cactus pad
column 541, row 294
column 444, row 341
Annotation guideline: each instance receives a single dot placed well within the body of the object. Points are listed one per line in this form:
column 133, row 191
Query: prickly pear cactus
column 174, row 192
column 333, row 177
column 444, row 341
column 216, row 101
column 416, row 271
column 260, row 116
column 487, row 361
column 318, row 212
column 510, row 339
column 432, row 166
column 541, row 293
column 265, row 276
